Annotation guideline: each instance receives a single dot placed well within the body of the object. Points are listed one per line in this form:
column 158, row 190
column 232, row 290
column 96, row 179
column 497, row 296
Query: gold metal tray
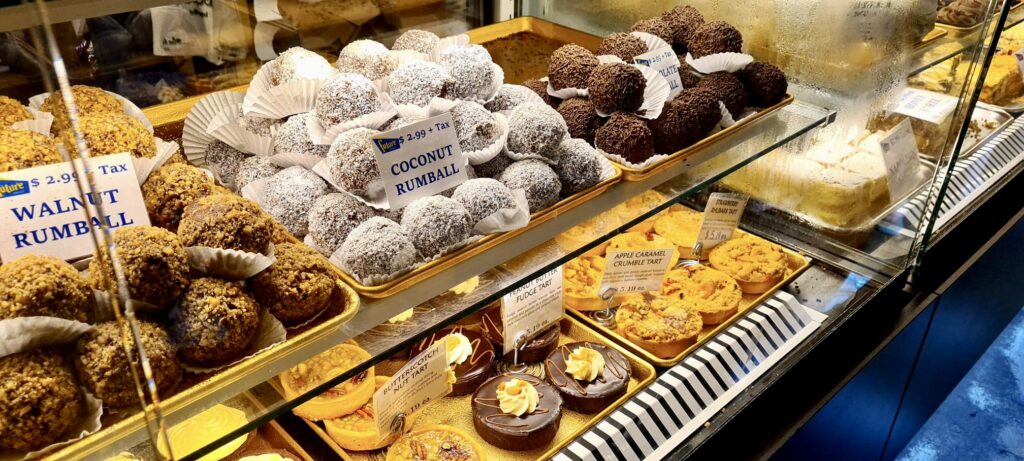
column 797, row 264
column 455, row 411
column 931, row 36
column 270, row 436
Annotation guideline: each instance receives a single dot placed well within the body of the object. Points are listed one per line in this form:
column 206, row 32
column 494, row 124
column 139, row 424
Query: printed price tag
column 899, row 149
column 923, row 105
column 419, row 160
column 44, row 214
column 666, row 63
column 419, row 382
column 721, row 218
column 630, row 271
column 532, row 308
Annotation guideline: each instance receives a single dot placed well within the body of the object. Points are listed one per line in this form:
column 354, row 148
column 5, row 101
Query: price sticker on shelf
column 44, row 214
column 665, row 62
column 923, row 105
column 419, row 160
column 532, row 308
column 421, row 381
column 721, row 218
column 631, row 271
column 899, row 150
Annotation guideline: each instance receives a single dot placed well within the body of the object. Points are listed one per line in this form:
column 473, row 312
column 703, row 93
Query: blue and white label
column 924, row 105
column 44, row 214
column 666, row 63
column 419, row 160
column 899, row 151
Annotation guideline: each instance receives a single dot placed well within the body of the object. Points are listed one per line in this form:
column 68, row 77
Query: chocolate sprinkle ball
column 333, row 217
column 493, row 167
column 627, row 136
column 154, row 262
column 472, row 71
column 435, row 224
column 535, row 129
column 570, row 66
column 475, row 126
column 684, row 20
column 290, row 194
column 377, row 247
column 655, row 26
column 483, row 197
column 537, row 179
column 625, row 46
column 224, row 160
column 253, row 168
column 41, row 400
column 511, row 96
column 104, row 368
column 765, row 84
column 687, row 74
column 225, row 221
column 541, row 88
column 367, row 58
column 685, row 120
column 617, row 87
column 344, row 97
column 580, row 117
column 293, row 136
column 417, row 40
column 715, row 37
column 727, row 88
column 215, row 323
column 418, row 82
column 352, row 163
column 297, row 287
column 579, row 167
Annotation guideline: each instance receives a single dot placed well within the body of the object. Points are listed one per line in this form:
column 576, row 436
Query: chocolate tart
column 517, row 433
column 535, row 350
column 593, row 396
column 471, row 373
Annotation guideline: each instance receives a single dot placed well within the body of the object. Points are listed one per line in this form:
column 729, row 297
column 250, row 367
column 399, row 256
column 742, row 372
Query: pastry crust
column 664, row 326
column 681, row 228
column 343, row 399
column 756, row 265
column 717, row 295
column 436, row 443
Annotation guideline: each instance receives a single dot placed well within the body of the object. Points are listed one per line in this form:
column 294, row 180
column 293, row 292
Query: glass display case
column 663, row 202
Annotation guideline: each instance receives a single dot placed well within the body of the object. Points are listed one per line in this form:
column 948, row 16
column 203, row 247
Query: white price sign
column 630, row 271
column 422, row 380
column 532, row 308
column 419, row 160
column 899, row 150
column 665, row 62
column 923, row 105
column 44, row 214
column 721, row 218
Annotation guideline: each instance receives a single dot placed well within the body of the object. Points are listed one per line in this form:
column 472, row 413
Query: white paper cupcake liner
column 727, row 119
column 194, row 137
column 655, row 159
column 719, row 62
column 656, row 92
column 287, row 159
column 145, row 166
column 607, row 170
column 40, row 122
column 406, row 56
column 384, row 278
column 436, row 106
column 449, row 42
column 130, row 109
column 506, row 219
column 651, row 41
column 531, row 98
column 254, row 190
column 224, row 127
column 87, row 425
column 271, row 332
column 379, row 201
column 104, row 308
column 325, row 136
column 25, row 333
column 276, row 102
column 519, row 156
column 228, row 264
column 656, row 43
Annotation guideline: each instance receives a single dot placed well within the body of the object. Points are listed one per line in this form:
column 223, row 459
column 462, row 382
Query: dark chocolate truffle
column 655, row 26
column 625, row 46
column 684, row 20
column 617, row 87
column 765, row 84
column 627, row 136
column 725, row 87
column 687, row 75
column 685, row 120
column 714, row 37
column 570, row 67
column 541, row 88
column 580, row 117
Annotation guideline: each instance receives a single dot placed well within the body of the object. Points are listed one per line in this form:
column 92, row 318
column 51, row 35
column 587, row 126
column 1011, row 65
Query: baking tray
column 931, row 37
column 970, row 28
column 797, row 264
column 270, row 436
column 455, row 411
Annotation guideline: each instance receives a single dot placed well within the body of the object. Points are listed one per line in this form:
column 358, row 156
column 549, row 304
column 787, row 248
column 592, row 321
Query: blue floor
column 983, row 418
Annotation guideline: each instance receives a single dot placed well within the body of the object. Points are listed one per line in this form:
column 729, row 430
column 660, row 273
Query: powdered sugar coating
column 344, row 97
column 352, row 164
column 368, row 58
column 417, row 40
column 510, row 96
column 537, row 179
column 472, row 69
column 483, row 197
column 332, row 218
column 377, row 247
column 474, row 125
column 257, row 125
column 253, row 168
column 290, row 194
column 293, row 136
column 224, row 160
column 418, row 82
column 536, row 129
column 578, row 167
column 298, row 63
column 435, row 224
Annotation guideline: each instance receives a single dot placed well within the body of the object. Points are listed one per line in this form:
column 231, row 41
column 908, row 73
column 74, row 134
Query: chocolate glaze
column 516, row 433
column 472, row 372
column 593, row 396
column 535, row 350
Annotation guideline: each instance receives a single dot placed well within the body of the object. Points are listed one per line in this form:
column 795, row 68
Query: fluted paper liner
column 265, row 100
column 449, row 42
column 566, row 93
column 130, row 109
column 506, row 219
column 656, row 92
column 287, row 159
column 103, row 310
column 651, row 41
column 25, row 333
column 87, row 425
column 194, row 137
column 145, row 166
column 378, row 201
column 655, row 159
column 270, row 333
column 727, row 119
column 40, row 122
column 228, row 264
column 224, row 127
column 254, row 190
column 325, row 136
column 719, row 62
column 531, row 97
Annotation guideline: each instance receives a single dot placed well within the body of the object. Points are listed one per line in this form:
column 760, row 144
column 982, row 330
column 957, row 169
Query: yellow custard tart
column 358, row 431
column 339, row 400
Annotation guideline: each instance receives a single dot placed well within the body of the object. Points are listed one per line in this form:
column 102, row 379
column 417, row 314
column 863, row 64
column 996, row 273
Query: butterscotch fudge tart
column 756, row 265
column 718, row 295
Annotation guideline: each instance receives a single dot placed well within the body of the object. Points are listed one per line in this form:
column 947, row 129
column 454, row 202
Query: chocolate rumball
column 535, row 350
column 470, row 355
column 589, row 376
column 517, row 412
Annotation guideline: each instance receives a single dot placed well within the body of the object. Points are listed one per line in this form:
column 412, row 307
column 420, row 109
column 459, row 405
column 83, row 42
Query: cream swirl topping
column 457, row 348
column 517, row 397
column 584, row 364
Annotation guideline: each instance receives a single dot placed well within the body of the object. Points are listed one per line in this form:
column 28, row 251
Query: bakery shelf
column 954, row 43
